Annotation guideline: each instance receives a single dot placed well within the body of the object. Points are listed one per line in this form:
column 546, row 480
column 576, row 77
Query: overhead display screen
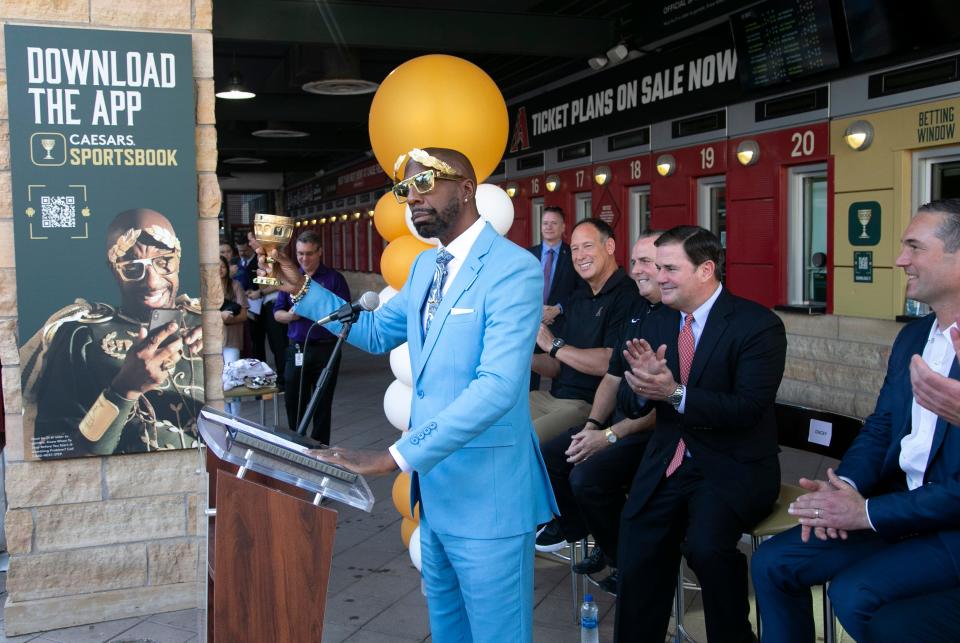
column 781, row 40
column 881, row 27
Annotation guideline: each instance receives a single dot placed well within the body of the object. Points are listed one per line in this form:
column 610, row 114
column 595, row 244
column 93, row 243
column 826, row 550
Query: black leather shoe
column 609, row 584
column 595, row 562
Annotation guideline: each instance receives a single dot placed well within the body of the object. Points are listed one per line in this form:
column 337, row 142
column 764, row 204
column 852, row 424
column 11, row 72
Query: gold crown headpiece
column 424, row 159
column 129, row 239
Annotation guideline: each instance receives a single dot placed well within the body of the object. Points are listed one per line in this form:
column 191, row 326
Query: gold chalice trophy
column 48, row 144
column 272, row 231
column 863, row 216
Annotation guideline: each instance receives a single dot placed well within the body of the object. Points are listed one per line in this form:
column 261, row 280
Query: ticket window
column 639, row 201
column 583, row 203
column 807, row 236
column 536, row 216
column 712, row 209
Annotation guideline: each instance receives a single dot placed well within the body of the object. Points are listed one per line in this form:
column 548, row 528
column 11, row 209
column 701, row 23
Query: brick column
column 103, row 538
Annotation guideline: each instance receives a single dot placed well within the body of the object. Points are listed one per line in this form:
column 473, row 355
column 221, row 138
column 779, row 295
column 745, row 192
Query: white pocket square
column 461, row 311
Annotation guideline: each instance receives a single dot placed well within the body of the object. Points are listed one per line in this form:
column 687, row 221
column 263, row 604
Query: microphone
column 367, row 301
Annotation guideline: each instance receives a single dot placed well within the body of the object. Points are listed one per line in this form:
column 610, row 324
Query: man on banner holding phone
column 470, row 311
column 104, row 380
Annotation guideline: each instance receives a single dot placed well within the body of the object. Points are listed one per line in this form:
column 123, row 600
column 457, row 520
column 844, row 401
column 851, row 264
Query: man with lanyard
column 309, row 347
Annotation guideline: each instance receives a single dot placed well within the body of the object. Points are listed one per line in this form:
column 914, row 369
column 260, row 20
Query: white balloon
column 495, row 206
column 400, row 364
column 415, row 548
column 408, row 217
column 396, row 404
column 386, row 295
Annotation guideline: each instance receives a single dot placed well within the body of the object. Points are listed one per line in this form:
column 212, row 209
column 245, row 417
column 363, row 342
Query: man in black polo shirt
column 577, row 347
column 592, row 464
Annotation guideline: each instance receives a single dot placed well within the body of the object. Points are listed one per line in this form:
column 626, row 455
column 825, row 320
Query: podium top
column 250, row 445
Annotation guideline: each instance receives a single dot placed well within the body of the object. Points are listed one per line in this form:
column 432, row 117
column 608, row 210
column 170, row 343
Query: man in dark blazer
column 559, row 277
column 887, row 523
column 710, row 364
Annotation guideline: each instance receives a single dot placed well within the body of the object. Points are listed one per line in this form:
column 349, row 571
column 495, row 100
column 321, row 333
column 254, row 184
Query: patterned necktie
column 685, row 346
column 436, row 290
column 547, row 271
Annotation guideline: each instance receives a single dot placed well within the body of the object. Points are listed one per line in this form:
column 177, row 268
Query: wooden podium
column 270, row 543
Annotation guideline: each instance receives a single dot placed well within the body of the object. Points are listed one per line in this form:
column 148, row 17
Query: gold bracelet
column 303, row 290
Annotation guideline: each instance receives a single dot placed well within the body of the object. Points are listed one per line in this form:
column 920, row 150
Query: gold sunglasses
column 423, row 182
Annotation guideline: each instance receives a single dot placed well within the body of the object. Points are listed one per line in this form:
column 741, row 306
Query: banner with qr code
column 104, row 184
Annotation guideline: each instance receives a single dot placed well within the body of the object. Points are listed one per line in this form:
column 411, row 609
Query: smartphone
column 160, row 317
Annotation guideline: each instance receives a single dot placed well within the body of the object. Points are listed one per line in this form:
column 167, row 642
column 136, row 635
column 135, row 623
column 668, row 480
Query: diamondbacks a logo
column 521, row 137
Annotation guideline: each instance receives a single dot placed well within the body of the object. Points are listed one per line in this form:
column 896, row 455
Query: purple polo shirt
column 297, row 329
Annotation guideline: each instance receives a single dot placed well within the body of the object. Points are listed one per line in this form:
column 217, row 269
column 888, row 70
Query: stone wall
column 97, row 539
column 836, row 363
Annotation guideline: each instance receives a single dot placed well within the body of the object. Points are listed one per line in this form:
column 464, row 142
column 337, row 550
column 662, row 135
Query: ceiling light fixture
column 617, row 54
column 597, row 62
column 748, row 152
column 340, row 87
column 279, row 132
column 235, row 89
column 244, row 160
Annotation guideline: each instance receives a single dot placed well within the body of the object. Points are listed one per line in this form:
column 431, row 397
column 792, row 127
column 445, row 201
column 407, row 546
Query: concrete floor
column 374, row 594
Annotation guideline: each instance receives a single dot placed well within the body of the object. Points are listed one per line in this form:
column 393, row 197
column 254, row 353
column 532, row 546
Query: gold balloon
column 398, row 257
column 407, row 527
column 439, row 101
column 401, row 494
column 388, row 217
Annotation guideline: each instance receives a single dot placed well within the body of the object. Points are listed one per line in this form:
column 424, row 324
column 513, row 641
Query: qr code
column 58, row 211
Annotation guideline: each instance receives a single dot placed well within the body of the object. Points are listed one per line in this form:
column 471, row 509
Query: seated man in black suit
column 591, row 465
column 887, row 523
column 710, row 364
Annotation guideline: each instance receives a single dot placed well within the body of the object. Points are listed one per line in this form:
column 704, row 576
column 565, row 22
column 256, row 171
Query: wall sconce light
column 296, row 224
column 601, row 175
column 858, row 136
column 344, row 217
column 552, row 183
column 356, row 215
column 511, row 189
column 370, row 213
column 323, row 220
column 666, row 164
column 748, row 153
column 313, row 222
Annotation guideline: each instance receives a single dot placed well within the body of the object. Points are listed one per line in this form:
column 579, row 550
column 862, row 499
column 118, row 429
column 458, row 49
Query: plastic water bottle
column 589, row 632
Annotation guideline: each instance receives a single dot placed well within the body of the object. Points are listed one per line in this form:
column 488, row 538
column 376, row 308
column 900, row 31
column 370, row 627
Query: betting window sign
column 104, row 180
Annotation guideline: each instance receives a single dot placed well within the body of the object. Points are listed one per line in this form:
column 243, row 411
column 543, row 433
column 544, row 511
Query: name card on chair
column 820, row 432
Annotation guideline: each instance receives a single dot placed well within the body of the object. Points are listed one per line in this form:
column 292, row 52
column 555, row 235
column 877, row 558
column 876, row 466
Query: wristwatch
column 558, row 343
column 677, row 396
column 611, row 436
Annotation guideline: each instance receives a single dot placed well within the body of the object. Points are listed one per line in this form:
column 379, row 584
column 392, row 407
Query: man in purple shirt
column 309, row 349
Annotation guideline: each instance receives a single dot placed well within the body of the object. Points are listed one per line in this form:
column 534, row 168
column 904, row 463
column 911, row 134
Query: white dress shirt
column 699, row 322
column 460, row 249
column 915, row 446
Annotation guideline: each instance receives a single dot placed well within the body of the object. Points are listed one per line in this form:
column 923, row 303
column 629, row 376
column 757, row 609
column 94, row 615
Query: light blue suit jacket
column 476, row 459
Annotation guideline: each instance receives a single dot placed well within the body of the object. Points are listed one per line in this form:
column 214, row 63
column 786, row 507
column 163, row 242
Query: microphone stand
column 324, row 378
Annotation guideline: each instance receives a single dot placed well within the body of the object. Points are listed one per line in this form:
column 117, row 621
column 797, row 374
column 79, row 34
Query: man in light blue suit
column 469, row 311
column 887, row 523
